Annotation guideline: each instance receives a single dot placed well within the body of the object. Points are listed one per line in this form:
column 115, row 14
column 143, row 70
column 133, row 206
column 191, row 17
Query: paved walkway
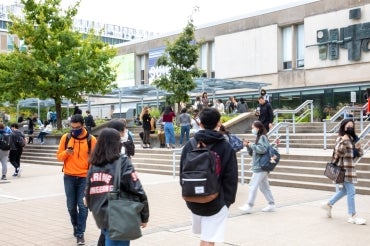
column 33, row 212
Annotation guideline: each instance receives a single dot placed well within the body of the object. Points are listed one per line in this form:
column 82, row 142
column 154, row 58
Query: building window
column 300, row 46
column 287, row 47
column 10, row 42
column 293, row 46
column 142, row 69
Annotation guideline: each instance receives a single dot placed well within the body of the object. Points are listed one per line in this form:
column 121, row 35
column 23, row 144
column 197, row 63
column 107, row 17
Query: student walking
column 209, row 219
column 259, row 177
column 345, row 151
column 4, row 150
column 74, row 150
column 104, row 160
column 17, row 142
column 265, row 113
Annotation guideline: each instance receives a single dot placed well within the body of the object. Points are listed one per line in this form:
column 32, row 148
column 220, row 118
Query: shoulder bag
column 335, row 172
column 124, row 220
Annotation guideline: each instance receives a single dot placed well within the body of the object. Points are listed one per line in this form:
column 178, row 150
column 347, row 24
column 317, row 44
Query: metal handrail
column 294, row 111
column 341, row 113
column 274, row 130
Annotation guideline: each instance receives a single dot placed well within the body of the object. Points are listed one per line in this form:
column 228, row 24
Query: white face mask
column 254, row 131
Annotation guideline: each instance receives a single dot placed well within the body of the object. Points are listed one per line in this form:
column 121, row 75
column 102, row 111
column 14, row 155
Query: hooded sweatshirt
column 228, row 177
column 76, row 164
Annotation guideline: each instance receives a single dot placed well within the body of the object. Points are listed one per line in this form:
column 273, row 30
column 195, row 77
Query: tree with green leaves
column 58, row 62
column 180, row 57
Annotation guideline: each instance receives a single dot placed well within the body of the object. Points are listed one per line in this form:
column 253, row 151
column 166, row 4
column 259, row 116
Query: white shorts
column 211, row 228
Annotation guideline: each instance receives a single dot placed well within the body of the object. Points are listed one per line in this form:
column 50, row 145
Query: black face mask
column 350, row 131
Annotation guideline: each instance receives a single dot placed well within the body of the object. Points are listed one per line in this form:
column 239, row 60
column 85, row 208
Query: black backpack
column 199, row 174
column 4, row 141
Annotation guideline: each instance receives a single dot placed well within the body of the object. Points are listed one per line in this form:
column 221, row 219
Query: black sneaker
column 75, row 231
column 80, row 240
column 3, row 177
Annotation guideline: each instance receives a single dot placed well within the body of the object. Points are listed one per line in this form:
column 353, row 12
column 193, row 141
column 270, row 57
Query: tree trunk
column 58, row 109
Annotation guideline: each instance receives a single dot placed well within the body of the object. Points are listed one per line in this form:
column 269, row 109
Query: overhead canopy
column 202, row 85
column 35, row 103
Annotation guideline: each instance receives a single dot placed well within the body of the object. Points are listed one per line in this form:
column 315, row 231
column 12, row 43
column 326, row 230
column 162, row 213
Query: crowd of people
column 89, row 165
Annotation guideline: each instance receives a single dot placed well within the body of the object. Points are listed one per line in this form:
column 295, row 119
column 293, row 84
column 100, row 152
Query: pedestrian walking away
column 75, row 153
column 104, row 160
column 259, row 177
column 209, row 219
column 17, row 143
column 4, row 150
column 347, row 149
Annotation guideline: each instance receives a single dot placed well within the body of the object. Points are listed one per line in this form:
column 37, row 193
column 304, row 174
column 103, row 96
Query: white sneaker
column 269, row 208
column 356, row 220
column 246, row 208
column 327, row 208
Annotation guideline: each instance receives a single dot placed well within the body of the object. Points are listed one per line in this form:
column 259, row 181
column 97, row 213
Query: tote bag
column 124, row 220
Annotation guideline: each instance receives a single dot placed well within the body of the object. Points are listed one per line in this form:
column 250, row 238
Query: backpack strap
column 88, row 141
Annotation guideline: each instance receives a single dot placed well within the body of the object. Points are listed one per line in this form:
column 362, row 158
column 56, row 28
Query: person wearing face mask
column 75, row 157
column 346, row 150
column 259, row 177
column 265, row 95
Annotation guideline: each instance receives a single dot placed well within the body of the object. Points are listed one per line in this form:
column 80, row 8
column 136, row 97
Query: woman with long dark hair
column 100, row 180
column 347, row 148
column 259, row 177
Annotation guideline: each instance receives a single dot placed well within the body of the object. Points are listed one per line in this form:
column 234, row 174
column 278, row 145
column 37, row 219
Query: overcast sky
column 167, row 15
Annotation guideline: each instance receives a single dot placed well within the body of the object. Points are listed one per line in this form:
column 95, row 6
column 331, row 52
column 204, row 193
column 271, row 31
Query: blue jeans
column 169, row 132
column 185, row 130
column 349, row 190
column 41, row 136
column 74, row 188
column 109, row 242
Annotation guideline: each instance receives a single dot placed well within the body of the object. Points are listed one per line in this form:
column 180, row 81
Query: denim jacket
column 256, row 150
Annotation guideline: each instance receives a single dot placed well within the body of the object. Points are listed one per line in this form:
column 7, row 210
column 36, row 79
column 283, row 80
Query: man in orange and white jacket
column 74, row 149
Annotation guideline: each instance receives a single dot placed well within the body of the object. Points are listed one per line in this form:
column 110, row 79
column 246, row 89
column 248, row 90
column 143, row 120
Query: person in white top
column 45, row 130
column 195, row 122
column 219, row 105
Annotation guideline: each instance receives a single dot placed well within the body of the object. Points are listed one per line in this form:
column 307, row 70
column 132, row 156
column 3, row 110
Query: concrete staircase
column 303, row 167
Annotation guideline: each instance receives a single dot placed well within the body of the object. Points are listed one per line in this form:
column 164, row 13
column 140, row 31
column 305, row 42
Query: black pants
column 15, row 157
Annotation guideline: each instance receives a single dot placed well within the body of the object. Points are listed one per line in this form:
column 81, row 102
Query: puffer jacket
column 99, row 182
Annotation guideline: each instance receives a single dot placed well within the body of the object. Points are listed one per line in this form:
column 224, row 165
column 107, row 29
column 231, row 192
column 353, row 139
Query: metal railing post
column 174, row 162
column 324, row 134
column 287, row 139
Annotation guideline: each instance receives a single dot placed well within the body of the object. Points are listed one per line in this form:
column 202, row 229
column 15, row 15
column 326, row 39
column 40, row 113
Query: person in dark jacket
column 146, row 119
column 209, row 219
column 16, row 148
column 265, row 113
column 100, row 180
